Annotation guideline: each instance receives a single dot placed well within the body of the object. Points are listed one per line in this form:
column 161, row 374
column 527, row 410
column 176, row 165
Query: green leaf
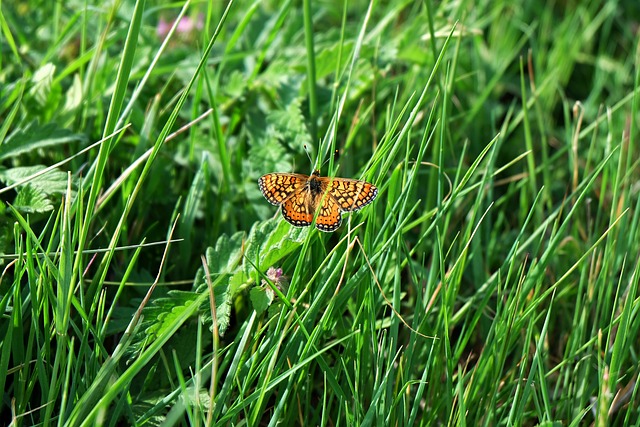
column 42, row 83
column 328, row 56
column 270, row 154
column 33, row 136
column 235, row 85
column 222, row 298
column 51, row 182
column 261, row 298
column 221, row 262
column 269, row 242
column 226, row 255
column 162, row 312
column 74, row 95
column 32, row 200
column 290, row 124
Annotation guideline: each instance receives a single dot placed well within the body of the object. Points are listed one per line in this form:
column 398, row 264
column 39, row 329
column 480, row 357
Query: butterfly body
column 316, row 185
column 300, row 196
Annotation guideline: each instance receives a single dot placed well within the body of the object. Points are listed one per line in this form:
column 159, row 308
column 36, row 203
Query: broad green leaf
column 32, row 200
column 51, row 182
column 261, row 298
column 34, row 136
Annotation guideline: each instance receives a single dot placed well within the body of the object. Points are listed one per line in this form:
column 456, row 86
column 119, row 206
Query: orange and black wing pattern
column 301, row 196
column 278, row 187
column 352, row 194
column 298, row 209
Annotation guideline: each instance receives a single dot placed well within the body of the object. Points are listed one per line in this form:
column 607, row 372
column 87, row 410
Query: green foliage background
column 146, row 281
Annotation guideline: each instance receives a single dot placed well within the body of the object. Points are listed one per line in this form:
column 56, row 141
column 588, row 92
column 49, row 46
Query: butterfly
column 301, row 196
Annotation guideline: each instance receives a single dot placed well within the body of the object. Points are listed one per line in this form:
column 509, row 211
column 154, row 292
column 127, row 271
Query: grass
column 146, row 281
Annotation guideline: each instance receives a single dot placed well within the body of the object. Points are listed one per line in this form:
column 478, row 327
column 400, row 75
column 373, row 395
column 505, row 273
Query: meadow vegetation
column 144, row 279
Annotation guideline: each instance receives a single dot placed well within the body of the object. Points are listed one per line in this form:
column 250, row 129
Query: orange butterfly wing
column 278, row 187
column 298, row 210
column 329, row 216
column 301, row 195
column 352, row 194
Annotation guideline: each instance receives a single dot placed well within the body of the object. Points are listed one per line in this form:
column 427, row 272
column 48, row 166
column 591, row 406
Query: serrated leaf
column 221, row 261
column 290, row 123
column 32, row 200
column 162, row 315
column 270, row 241
column 273, row 240
column 33, row 136
column 226, row 255
column 270, row 154
column 235, row 85
column 161, row 311
column 288, row 90
column 51, row 182
column 222, row 300
column 267, row 244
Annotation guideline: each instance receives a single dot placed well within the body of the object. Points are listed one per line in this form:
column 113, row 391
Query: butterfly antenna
column 336, row 154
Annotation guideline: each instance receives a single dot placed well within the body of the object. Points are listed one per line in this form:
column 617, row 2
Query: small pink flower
column 163, row 28
column 278, row 279
column 185, row 28
column 274, row 274
column 188, row 25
